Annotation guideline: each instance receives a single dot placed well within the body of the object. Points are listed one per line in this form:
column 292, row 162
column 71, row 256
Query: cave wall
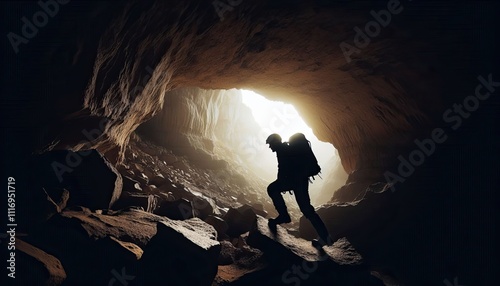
column 194, row 121
column 283, row 54
column 117, row 61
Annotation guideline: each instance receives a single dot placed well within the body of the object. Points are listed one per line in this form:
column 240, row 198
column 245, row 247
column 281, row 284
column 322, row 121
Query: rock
column 168, row 158
column 356, row 220
column 91, row 180
column 119, row 255
column 158, row 180
column 142, row 178
column 139, row 167
column 340, row 262
column 130, row 199
column 256, row 210
column 179, row 209
column 131, row 185
column 226, row 255
column 197, row 225
column 36, row 267
column 239, row 221
column 166, row 196
column 203, row 206
column 82, row 241
column 42, row 204
column 179, row 256
column 181, row 165
column 219, row 224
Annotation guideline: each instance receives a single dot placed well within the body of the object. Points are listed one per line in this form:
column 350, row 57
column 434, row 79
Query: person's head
column 274, row 140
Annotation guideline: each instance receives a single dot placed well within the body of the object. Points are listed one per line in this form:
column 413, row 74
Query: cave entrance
column 283, row 118
column 224, row 133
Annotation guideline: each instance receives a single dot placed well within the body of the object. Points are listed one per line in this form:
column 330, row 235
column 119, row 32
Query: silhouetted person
column 290, row 178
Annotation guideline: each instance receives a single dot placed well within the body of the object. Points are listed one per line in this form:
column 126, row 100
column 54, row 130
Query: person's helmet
column 273, row 138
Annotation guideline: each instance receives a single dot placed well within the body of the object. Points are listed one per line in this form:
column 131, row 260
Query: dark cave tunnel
column 122, row 124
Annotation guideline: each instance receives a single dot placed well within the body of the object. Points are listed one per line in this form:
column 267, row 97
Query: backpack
column 302, row 147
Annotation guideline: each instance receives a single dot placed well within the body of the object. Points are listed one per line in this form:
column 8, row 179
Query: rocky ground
column 156, row 219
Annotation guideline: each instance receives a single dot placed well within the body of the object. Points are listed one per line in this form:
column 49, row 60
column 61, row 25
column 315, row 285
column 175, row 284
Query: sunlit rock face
column 203, row 120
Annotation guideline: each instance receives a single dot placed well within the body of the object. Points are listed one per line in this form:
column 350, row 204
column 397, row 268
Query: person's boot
column 280, row 219
column 320, row 242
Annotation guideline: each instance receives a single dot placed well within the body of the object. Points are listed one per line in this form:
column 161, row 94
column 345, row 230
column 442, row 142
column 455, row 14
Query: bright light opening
column 275, row 116
column 282, row 118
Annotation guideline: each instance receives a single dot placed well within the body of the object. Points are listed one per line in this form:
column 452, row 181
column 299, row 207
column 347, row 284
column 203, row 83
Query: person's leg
column 274, row 191
column 304, row 202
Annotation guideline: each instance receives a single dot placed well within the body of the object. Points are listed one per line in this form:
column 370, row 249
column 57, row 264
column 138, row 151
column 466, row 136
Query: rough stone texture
column 179, row 209
column 219, row 224
column 179, row 256
column 145, row 201
column 360, row 221
column 99, row 243
column 287, row 255
column 36, row 267
column 340, row 252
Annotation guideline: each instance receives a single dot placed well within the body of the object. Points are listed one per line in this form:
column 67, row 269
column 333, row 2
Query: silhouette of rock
column 179, row 209
column 41, row 205
column 179, row 256
column 91, row 179
column 203, row 206
column 219, row 224
column 131, row 199
column 36, row 267
column 357, row 220
column 158, row 180
column 239, row 220
column 296, row 260
column 131, row 185
column 87, row 242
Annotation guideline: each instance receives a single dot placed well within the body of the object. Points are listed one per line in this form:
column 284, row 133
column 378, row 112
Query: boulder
column 357, row 220
column 239, row 221
column 296, row 260
column 130, row 199
column 257, row 210
column 226, row 255
column 158, row 180
column 179, row 209
column 40, row 205
column 111, row 243
column 219, row 224
column 203, row 206
column 197, row 225
column 179, row 256
column 91, row 179
column 131, row 185
column 36, row 267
